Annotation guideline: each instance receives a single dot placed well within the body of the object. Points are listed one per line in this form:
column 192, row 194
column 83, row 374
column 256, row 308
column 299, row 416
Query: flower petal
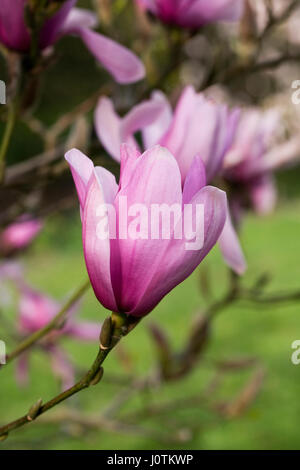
column 178, row 262
column 97, row 251
column 53, row 26
column 108, row 183
column 199, row 127
column 108, row 127
column 79, row 18
column 114, row 131
column 82, row 168
column 200, row 12
column 123, row 64
column 141, row 116
column 231, row 248
column 263, row 194
column 195, row 180
column 154, row 132
column 155, row 179
column 13, row 31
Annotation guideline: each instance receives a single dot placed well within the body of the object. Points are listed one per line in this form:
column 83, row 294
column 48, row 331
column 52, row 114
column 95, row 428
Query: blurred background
column 242, row 390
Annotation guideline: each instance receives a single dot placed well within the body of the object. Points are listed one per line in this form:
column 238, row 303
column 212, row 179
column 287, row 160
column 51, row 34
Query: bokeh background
column 54, row 264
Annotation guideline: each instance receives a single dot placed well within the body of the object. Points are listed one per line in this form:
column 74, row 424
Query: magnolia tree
column 195, row 114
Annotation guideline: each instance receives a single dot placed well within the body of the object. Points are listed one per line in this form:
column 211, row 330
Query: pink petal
column 114, row 131
column 201, row 12
column 231, row 248
column 175, row 138
column 129, row 157
column 97, row 252
column 178, row 263
column 195, row 180
column 141, row 116
column 123, row 64
column 35, row 309
column 200, row 127
column 155, row 131
column 20, row 234
column 53, row 26
column 82, row 169
column 280, row 156
column 79, row 18
column 13, row 32
column 108, row 183
column 263, row 194
column 108, row 127
column 194, row 13
column 155, row 179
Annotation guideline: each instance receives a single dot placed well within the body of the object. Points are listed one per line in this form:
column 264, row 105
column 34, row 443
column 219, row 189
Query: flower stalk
column 10, row 124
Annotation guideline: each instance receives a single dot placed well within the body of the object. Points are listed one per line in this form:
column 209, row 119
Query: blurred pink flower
column 36, row 310
column 133, row 275
column 11, row 270
column 19, row 235
column 197, row 127
column 246, row 164
column 124, row 66
column 194, row 13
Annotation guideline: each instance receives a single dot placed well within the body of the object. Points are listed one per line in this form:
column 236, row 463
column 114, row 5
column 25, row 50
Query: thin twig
column 10, row 123
column 82, row 384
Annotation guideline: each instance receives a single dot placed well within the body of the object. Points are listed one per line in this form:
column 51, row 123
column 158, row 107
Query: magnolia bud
column 106, row 333
column 97, row 377
column 34, row 410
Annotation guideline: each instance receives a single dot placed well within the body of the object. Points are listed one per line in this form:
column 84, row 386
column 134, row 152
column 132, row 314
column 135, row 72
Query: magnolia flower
column 194, row 13
column 197, row 127
column 36, row 310
column 19, row 235
column 64, row 19
column 132, row 274
column 248, row 165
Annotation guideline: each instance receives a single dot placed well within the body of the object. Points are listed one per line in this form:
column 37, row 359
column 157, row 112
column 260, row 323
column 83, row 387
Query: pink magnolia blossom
column 124, row 66
column 248, row 165
column 197, row 127
column 36, row 310
column 133, row 275
column 19, row 235
column 194, row 13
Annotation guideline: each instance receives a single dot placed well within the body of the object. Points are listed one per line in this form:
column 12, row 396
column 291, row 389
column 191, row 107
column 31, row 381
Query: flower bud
column 97, row 377
column 106, row 333
column 34, row 410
